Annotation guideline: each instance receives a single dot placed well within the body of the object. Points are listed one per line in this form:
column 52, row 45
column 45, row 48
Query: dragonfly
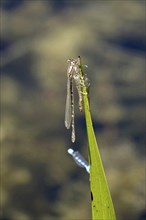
column 79, row 159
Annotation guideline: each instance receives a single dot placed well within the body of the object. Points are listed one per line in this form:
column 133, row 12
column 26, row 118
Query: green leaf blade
column 102, row 206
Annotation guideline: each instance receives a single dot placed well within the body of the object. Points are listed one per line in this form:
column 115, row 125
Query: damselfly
column 79, row 159
column 73, row 75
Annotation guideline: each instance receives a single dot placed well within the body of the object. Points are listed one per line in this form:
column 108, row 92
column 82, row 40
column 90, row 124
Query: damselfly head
column 73, row 67
column 72, row 61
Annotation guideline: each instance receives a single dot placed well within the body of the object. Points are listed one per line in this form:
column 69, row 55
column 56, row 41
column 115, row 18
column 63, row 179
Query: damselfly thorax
column 74, row 75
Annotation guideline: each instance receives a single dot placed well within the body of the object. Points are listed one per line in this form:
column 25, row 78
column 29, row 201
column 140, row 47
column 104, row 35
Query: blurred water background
column 39, row 180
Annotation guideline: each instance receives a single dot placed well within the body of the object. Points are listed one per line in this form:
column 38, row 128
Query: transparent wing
column 68, row 104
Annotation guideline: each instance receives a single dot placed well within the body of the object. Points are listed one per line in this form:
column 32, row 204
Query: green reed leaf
column 102, row 206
